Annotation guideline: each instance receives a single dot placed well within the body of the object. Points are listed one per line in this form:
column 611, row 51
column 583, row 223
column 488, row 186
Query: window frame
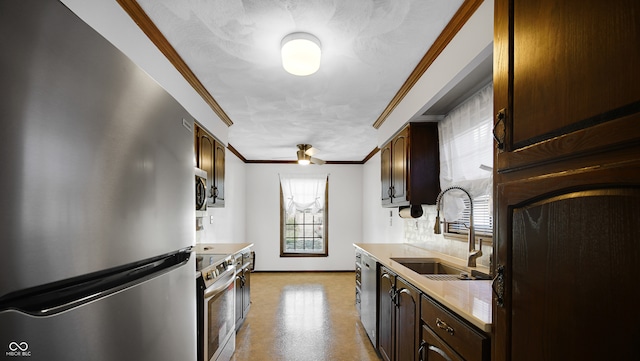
column 325, row 225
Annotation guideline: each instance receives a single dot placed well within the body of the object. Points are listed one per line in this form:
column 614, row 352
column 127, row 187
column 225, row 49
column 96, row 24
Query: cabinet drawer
column 432, row 348
column 471, row 344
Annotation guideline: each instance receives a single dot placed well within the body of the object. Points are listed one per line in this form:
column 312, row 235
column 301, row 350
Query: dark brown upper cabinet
column 210, row 157
column 565, row 78
column 566, row 180
column 410, row 167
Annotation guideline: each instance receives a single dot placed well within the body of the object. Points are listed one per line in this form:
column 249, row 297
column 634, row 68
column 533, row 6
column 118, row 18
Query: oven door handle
column 216, row 287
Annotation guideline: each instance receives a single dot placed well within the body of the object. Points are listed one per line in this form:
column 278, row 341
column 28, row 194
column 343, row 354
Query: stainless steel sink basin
column 428, row 266
column 437, row 270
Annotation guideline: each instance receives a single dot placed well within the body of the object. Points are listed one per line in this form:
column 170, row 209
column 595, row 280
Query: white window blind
column 482, row 218
column 466, row 160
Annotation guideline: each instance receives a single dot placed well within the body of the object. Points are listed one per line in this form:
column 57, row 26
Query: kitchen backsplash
column 419, row 232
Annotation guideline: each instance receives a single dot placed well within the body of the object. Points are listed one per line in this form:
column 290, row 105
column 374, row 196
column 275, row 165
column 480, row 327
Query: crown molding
column 145, row 23
column 268, row 161
column 448, row 33
column 236, row 153
column 370, row 155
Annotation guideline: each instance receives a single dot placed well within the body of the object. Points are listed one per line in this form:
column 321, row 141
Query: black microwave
column 201, row 190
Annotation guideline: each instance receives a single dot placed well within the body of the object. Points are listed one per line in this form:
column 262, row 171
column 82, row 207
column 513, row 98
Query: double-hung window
column 303, row 215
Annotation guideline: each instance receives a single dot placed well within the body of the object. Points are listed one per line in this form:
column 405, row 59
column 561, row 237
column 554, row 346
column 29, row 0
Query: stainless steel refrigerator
column 96, row 198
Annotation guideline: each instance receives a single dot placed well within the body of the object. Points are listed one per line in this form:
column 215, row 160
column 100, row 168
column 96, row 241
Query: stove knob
column 207, row 276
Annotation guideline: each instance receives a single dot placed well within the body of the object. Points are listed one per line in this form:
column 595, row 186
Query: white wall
column 263, row 216
column 114, row 24
column 472, row 45
column 227, row 225
column 379, row 225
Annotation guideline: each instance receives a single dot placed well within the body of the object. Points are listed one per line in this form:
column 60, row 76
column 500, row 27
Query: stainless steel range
column 215, row 278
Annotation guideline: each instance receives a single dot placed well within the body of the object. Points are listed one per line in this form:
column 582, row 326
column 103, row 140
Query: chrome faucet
column 473, row 252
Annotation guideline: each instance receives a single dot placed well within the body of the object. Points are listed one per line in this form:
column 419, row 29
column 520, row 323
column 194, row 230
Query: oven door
column 220, row 318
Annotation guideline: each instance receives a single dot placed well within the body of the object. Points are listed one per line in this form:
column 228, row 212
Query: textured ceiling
column 369, row 48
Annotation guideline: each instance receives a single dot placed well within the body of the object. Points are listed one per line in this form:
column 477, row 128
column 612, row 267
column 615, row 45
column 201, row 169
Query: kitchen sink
column 437, row 270
column 428, row 266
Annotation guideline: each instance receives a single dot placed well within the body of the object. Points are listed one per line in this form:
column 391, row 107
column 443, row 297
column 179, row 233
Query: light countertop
column 222, row 248
column 471, row 300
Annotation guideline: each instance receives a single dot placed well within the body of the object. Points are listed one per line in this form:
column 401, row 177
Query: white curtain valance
column 466, row 150
column 303, row 192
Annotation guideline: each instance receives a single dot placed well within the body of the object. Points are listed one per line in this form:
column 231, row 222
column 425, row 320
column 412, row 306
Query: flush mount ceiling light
column 300, row 54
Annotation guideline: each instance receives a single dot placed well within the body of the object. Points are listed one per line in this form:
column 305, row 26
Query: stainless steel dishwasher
column 368, row 296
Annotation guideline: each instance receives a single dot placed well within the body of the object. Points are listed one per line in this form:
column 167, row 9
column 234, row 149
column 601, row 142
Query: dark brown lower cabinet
column 386, row 312
column 243, row 294
column 573, row 255
column 399, row 318
column 445, row 336
column 432, row 348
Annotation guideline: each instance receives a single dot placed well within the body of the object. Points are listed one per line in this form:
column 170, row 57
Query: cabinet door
column 407, row 322
column 246, row 291
column 210, row 157
column 205, row 161
column 569, row 85
column 385, row 174
column 410, row 166
column 219, row 173
column 399, row 168
column 386, row 314
column 239, row 302
column 432, row 348
column 567, row 180
column 423, row 182
column 567, row 259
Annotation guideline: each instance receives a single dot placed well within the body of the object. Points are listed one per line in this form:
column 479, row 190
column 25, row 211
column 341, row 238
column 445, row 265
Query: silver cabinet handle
column 443, row 326
column 431, row 348
column 440, row 352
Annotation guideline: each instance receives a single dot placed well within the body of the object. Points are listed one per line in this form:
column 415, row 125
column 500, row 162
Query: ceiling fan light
column 301, row 53
column 303, row 158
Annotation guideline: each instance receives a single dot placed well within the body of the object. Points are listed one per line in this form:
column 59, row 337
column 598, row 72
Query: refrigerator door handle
column 53, row 298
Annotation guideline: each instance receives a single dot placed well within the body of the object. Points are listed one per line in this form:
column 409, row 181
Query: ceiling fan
column 305, row 155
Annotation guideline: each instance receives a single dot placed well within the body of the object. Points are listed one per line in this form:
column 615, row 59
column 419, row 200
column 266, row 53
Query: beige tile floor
column 303, row 316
